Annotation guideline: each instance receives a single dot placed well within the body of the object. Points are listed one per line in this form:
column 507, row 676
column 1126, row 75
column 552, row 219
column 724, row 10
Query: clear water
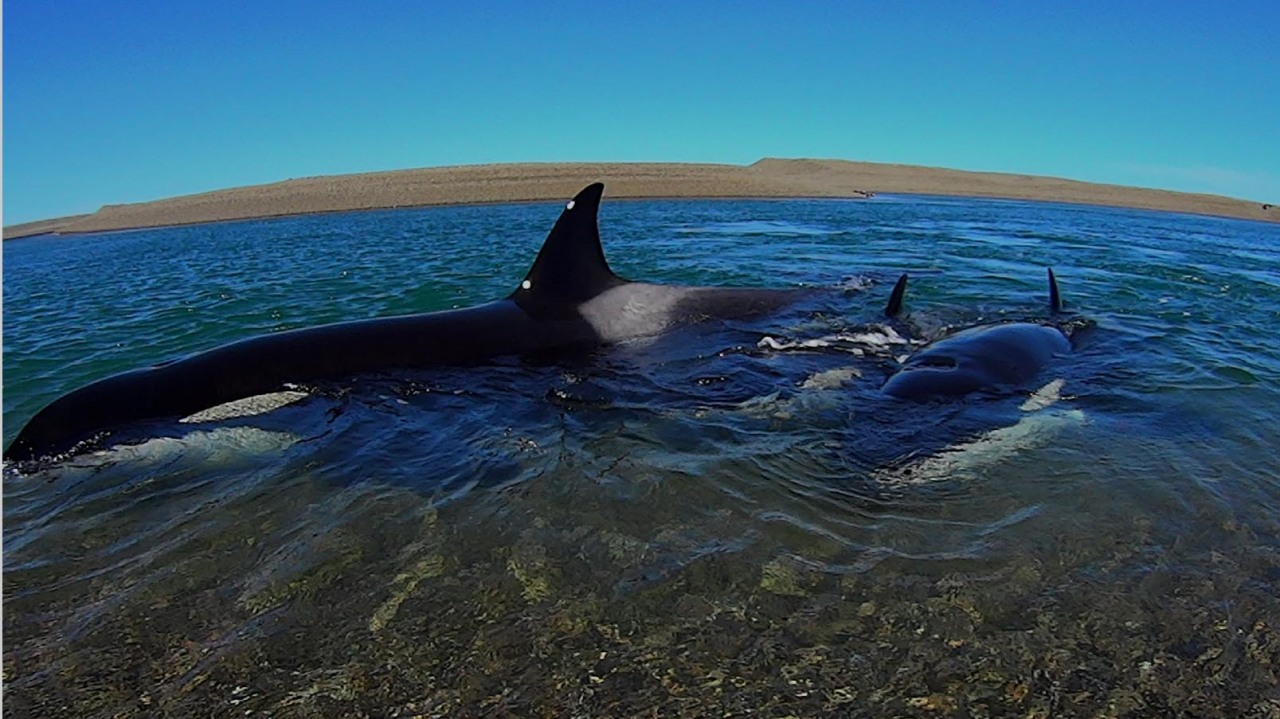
column 694, row 524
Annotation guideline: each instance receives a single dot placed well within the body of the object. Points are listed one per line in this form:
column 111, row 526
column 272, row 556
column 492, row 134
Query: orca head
column 570, row 268
column 937, row 371
column 981, row 358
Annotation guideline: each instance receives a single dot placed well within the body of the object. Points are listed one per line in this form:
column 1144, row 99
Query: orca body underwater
column 569, row 301
column 983, row 358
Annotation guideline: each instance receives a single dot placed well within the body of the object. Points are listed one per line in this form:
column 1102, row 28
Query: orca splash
column 977, row 359
column 569, row 301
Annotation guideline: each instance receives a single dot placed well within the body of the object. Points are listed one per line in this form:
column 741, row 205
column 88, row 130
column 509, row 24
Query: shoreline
column 544, row 182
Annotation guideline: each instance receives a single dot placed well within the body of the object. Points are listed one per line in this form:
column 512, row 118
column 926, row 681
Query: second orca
column 983, row 358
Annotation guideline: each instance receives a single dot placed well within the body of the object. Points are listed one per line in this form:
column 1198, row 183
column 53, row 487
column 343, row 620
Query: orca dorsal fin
column 1055, row 299
column 571, row 266
column 895, row 299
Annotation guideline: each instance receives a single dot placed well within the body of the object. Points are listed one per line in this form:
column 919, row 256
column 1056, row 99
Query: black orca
column 983, row 358
column 570, row 300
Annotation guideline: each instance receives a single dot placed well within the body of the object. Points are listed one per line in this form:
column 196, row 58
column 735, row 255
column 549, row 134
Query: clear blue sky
column 108, row 102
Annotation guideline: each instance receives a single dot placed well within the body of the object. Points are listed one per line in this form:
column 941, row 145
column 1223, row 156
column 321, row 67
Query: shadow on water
column 702, row 524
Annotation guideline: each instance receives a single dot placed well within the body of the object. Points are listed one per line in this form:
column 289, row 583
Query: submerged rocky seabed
column 732, row 526
column 529, row 606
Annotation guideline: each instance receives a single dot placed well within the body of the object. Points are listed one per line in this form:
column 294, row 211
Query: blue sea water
column 726, row 519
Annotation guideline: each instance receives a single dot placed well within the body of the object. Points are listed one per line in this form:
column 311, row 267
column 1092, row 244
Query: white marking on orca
column 219, row 445
column 768, row 342
column 831, row 379
column 1044, row 397
column 876, row 340
column 247, row 407
column 817, row 395
column 967, row 460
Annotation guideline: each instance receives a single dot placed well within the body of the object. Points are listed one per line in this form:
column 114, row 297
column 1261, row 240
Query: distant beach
column 532, row 182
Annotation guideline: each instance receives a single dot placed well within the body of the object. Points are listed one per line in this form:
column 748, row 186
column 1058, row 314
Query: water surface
column 724, row 519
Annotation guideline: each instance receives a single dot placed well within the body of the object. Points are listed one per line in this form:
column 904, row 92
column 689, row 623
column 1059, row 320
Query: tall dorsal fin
column 571, row 265
column 1055, row 299
column 895, row 299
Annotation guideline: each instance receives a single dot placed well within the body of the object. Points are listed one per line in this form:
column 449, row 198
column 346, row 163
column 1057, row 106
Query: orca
column 570, row 301
column 986, row 358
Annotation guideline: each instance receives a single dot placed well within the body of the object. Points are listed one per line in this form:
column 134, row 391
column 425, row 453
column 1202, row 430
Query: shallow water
column 704, row 523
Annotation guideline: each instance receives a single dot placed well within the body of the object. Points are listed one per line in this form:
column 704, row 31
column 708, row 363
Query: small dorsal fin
column 1055, row 299
column 895, row 299
column 571, row 266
